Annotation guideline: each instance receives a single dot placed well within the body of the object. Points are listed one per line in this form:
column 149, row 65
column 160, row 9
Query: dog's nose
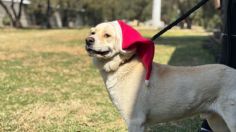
column 89, row 40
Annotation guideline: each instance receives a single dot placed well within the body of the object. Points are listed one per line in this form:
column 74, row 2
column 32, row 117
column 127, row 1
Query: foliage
column 107, row 10
column 211, row 16
column 207, row 16
column 6, row 21
column 93, row 12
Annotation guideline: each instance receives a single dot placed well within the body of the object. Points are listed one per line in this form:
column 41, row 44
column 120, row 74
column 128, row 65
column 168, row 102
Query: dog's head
column 104, row 40
column 116, row 42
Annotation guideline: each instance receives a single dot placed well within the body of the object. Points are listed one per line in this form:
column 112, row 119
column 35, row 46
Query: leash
column 201, row 3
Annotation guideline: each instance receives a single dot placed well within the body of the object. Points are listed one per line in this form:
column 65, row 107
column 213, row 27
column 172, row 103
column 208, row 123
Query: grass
column 48, row 82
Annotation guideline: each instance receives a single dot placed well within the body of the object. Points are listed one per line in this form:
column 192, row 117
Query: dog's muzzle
column 89, row 47
column 89, row 41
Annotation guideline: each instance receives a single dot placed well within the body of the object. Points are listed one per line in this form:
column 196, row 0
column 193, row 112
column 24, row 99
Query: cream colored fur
column 173, row 93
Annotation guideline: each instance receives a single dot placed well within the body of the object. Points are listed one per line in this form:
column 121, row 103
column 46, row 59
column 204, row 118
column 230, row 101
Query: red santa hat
column 130, row 40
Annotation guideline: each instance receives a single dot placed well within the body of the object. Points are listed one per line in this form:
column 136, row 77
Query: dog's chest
column 117, row 95
column 114, row 93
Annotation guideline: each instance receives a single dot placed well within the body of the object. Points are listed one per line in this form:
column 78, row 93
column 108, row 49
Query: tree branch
column 7, row 11
column 13, row 9
column 20, row 9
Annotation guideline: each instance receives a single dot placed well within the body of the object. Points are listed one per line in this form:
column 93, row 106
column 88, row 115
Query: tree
column 48, row 13
column 184, row 6
column 169, row 12
column 43, row 11
column 90, row 11
column 206, row 16
column 137, row 8
column 14, row 15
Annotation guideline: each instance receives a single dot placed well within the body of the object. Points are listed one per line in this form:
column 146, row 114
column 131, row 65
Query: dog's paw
column 111, row 66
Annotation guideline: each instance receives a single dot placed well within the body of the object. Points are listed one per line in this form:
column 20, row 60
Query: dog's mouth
column 102, row 52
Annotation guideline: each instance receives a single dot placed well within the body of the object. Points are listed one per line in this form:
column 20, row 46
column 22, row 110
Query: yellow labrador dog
column 173, row 92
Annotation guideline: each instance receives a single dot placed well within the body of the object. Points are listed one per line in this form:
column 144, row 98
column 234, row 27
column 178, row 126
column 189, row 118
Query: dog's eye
column 106, row 35
column 92, row 33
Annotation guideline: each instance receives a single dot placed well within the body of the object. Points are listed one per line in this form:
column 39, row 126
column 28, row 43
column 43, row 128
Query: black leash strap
column 179, row 19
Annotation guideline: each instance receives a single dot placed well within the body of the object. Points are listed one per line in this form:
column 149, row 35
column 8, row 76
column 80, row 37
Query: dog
column 173, row 92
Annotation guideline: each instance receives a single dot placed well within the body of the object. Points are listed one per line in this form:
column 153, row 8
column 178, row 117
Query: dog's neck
column 112, row 64
column 117, row 77
column 118, row 65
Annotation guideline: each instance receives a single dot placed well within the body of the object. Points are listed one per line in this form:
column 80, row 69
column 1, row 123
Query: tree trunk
column 49, row 14
column 189, row 23
column 17, row 23
column 65, row 19
column 181, row 24
column 15, row 18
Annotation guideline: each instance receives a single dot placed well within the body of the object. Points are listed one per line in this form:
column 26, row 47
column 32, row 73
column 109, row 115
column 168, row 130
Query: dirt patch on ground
column 32, row 90
column 56, row 49
column 7, row 56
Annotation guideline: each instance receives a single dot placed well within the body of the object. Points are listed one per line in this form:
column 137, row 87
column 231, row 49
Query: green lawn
column 48, row 82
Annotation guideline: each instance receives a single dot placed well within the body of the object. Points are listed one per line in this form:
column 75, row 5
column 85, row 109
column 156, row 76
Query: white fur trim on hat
column 147, row 83
column 118, row 31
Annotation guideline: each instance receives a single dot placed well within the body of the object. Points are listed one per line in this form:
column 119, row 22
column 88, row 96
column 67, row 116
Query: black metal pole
column 228, row 55
column 232, row 33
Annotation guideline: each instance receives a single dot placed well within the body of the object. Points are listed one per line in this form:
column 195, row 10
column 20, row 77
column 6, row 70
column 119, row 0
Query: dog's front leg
column 136, row 125
column 114, row 64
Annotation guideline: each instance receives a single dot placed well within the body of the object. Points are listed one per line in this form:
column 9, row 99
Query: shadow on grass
column 175, row 40
column 189, row 50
